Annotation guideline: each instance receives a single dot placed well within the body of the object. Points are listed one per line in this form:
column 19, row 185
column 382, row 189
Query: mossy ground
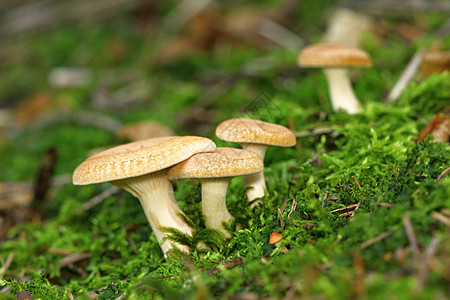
column 371, row 159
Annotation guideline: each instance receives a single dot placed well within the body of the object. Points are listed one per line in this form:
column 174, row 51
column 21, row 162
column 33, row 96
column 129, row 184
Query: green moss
column 321, row 253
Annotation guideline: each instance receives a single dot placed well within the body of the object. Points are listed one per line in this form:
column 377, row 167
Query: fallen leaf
column 15, row 195
column 33, row 107
column 439, row 127
column 409, row 32
column 435, row 60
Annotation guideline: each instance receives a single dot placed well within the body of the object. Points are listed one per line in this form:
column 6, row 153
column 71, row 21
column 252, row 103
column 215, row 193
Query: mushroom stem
column 155, row 193
column 255, row 181
column 214, row 207
column 341, row 91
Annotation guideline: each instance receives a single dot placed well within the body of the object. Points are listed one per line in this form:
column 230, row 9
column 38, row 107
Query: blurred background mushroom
column 335, row 60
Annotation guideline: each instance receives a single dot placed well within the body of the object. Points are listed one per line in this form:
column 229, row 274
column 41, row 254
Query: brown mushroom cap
column 139, row 158
column 223, row 162
column 275, row 237
column 332, row 55
column 243, row 130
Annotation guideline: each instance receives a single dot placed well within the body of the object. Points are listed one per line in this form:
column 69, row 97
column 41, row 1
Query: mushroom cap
column 223, row 162
column 139, row 158
column 144, row 130
column 252, row 131
column 275, row 237
column 333, row 55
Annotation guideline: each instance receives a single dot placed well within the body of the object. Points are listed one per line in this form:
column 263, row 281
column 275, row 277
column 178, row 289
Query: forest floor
column 362, row 206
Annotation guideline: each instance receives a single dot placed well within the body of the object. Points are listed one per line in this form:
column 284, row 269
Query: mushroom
column 143, row 130
column 275, row 238
column 215, row 170
column 256, row 136
column 335, row 59
column 140, row 168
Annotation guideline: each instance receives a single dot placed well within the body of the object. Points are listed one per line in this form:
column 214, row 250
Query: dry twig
column 228, row 265
column 356, row 182
column 424, row 268
column 440, row 217
column 8, row 262
column 443, row 175
column 325, row 129
column 349, row 207
column 406, row 77
column 411, row 235
column 280, row 214
column 385, row 204
column 43, row 15
column 384, row 7
column 59, row 251
column 70, row 295
column 73, row 258
column 293, row 207
column 280, row 35
column 100, row 198
column 378, row 238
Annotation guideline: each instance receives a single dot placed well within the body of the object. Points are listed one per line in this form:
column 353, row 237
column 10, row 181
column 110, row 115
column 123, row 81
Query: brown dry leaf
column 15, row 201
column 202, row 34
column 33, row 107
column 245, row 24
column 409, row 32
column 175, row 49
column 439, row 127
column 435, row 60
column 24, row 296
column 213, row 28
column 15, row 195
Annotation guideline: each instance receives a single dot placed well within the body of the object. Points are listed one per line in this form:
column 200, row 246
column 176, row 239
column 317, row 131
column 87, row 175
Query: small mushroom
column 335, row 61
column 215, row 170
column 140, row 168
column 275, row 238
column 256, row 136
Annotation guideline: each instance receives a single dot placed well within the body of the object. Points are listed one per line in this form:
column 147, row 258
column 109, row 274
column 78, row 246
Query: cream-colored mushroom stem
column 155, row 193
column 255, row 182
column 214, row 206
column 341, row 91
